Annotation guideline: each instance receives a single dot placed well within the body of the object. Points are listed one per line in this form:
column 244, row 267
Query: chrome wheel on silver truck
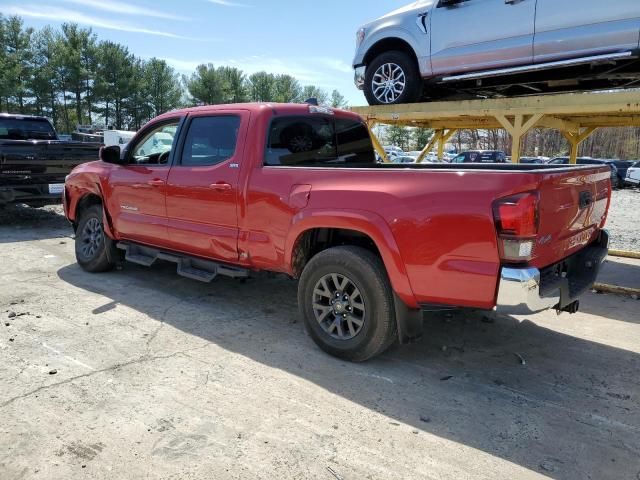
column 389, row 82
column 393, row 78
column 346, row 301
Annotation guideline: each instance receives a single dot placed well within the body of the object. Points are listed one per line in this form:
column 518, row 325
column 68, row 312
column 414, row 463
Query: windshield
column 26, row 129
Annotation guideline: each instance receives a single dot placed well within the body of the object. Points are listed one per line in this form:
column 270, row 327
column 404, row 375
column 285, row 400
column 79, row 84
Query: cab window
column 210, row 141
column 155, row 147
column 307, row 141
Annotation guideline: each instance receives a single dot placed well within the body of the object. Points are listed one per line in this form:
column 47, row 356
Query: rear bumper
column 359, row 77
column 631, row 181
column 524, row 291
column 28, row 194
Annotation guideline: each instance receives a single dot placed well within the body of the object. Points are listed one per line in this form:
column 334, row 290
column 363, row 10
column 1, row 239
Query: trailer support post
column 575, row 138
column 376, row 143
column 517, row 130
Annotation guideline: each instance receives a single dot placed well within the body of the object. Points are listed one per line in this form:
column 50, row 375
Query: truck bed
column 486, row 167
column 29, row 167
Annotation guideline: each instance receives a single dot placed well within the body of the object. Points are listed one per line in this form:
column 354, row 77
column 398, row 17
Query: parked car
column 404, row 159
column 117, row 137
column 295, row 189
column 481, row 156
column 429, row 157
column 535, row 160
column 34, row 162
column 615, row 181
column 633, row 175
column 437, row 48
column 622, row 166
column 393, row 151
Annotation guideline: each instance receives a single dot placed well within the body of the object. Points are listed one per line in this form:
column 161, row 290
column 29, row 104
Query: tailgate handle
column 586, row 199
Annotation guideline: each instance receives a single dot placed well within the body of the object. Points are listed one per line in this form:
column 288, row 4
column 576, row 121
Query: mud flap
column 409, row 322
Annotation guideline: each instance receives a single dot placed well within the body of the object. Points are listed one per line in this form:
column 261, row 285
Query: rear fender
column 364, row 222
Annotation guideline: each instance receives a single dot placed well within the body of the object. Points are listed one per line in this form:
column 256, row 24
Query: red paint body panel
column 202, row 203
column 434, row 228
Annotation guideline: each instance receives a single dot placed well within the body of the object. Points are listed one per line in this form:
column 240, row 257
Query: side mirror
column 111, row 154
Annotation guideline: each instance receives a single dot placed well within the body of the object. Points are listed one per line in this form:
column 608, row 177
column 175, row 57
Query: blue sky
column 310, row 39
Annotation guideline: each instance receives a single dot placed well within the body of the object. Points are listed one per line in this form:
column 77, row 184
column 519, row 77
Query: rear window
column 26, row 129
column 308, row 141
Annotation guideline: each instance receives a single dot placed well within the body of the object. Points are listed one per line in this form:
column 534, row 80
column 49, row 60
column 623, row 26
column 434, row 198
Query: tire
column 371, row 305
column 413, row 84
column 95, row 251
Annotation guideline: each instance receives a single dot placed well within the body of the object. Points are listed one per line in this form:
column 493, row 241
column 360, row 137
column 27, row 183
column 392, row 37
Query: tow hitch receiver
column 571, row 308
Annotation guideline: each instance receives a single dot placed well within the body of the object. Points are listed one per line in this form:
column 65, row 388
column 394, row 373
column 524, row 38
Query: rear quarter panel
column 443, row 238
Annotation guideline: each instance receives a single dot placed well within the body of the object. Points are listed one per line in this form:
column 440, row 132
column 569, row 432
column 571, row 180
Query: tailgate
column 41, row 162
column 573, row 208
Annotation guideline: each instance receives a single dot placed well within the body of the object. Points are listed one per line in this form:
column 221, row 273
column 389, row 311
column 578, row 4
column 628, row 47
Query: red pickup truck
column 295, row 189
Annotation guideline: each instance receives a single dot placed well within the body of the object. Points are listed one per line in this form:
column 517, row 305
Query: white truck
column 117, row 137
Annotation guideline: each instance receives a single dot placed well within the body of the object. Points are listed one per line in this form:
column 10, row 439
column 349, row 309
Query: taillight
column 517, row 223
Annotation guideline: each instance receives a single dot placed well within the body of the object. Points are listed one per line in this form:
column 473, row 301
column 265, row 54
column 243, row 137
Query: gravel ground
column 139, row 373
column 624, row 220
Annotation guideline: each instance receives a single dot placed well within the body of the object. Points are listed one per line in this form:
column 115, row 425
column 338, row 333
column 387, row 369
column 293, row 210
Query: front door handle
column 510, row 2
column 156, row 182
column 221, row 186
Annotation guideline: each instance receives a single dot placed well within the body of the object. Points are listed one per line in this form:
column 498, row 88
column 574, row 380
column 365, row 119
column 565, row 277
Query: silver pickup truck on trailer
column 435, row 49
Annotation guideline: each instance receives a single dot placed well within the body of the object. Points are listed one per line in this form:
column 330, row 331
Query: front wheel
column 393, row 78
column 346, row 301
column 95, row 251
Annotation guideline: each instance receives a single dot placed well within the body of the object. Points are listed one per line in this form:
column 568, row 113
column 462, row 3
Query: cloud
column 227, row 3
column 319, row 71
column 64, row 15
column 125, row 9
column 335, row 64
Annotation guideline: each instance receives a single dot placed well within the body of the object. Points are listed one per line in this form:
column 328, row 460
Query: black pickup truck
column 34, row 162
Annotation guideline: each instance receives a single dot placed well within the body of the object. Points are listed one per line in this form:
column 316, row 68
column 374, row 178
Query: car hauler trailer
column 576, row 115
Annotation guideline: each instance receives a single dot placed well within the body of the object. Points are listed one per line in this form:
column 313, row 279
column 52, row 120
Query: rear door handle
column 221, row 186
column 156, row 182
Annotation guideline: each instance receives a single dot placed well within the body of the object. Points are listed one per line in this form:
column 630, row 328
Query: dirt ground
column 624, row 219
column 142, row 374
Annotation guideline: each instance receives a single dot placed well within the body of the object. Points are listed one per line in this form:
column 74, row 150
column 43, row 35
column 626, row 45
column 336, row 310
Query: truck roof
column 22, row 117
column 280, row 108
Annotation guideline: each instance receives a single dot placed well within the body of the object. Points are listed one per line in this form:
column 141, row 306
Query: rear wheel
column 346, row 302
column 393, row 78
column 95, row 251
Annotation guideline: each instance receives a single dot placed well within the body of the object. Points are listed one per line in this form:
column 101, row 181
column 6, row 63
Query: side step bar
column 540, row 66
column 190, row 267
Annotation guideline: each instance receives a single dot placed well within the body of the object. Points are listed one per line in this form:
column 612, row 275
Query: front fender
column 78, row 189
column 75, row 192
column 385, row 32
column 365, row 222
